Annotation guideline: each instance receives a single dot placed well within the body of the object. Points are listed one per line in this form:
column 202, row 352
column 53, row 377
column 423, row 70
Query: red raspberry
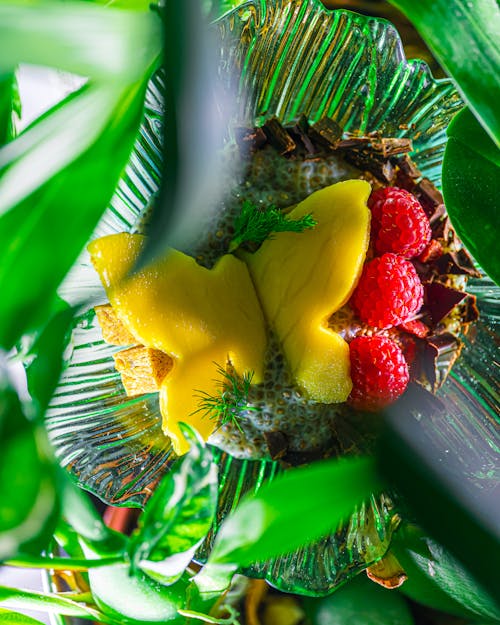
column 389, row 292
column 399, row 223
column 378, row 370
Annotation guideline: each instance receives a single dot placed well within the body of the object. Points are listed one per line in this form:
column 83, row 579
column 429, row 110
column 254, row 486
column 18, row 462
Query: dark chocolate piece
column 457, row 263
column 326, row 132
column 469, row 311
column 439, row 354
column 391, row 146
column 278, row 137
column 441, row 300
column 428, row 195
column 300, row 132
column 353, row 142
column 408, row 167
column 277, row 444
column 383, row 170
column 249, row 140
column 432, row 252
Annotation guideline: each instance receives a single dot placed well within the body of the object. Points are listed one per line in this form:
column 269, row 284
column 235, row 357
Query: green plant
column 89, row 136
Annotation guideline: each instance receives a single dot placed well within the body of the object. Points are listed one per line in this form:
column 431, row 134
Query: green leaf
column 28, row 497
column 9, row 106
column 471, row 187
column 292, row 511
column 463, row 36
column 14, row 618
column 437, row 579
column 46, row 602
column 56, row 179
column 359, row 602
column 46, row 357
column 444, row 495
column 178, row 515
column 79, row 37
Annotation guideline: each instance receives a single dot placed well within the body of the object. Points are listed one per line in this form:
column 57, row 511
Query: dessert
column 265, row 350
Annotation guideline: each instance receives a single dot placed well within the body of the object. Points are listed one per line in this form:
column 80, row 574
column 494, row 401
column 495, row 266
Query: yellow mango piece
column 196, row 315
column 302, row 278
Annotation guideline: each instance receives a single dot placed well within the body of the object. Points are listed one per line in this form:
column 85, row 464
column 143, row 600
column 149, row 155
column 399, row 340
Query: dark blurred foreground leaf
column 471, row 187
column 195, row 122
column 290, row 512
column 14, row 618
column 437, row 580
column 463, row 36
column 360, row 602
column 28, row 497
column 441, row 493
column 56, row 179
column 79, row 37
column 178, row 515
column 46, row 357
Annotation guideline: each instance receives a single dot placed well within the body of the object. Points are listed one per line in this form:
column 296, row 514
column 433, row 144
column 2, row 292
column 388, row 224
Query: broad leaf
column 359, row 602
column 79, row 37
column 28, row 498
column 448, row 498
column 471, row 187
column 178, row 515
column 463, row 36
column 14, row 618
column 45, row 358
column 290, row 512
column 437, row 579
column 56, row 179
column 9, row 106
column 195, row 122
column 47, row 602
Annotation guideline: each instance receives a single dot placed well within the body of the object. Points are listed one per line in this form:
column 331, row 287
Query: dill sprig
column 255, row 224
column 229, row 401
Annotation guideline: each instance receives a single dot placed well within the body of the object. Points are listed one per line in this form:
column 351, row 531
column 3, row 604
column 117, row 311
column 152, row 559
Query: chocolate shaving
column 383, row 170
column 326, row 132
column 278, row 137
column 277, row 443
column 457, row 263
column 439, row 354
column 440, row 300
column 428, row 195
column 300, row 132
column 249, row 140
column 391, row 146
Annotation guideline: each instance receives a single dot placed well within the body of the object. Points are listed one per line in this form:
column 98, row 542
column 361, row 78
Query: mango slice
column 197, row 316
column 302, row 278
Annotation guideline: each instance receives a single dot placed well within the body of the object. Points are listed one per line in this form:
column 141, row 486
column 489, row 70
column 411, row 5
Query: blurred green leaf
column 79, row 37
column 194, row 127
column 178, row 515
column 56, row 179
column 9, row 106
column 471, row 187
column 437, row 579
column 14, row 618
column 359, row 602
column 463, row 36
column 290, row 512
column 28, row 497
column 46, row 357
column 46, row 602
column 440, row 493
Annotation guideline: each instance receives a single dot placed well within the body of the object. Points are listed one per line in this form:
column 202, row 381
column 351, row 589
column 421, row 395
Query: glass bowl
column 285, row 58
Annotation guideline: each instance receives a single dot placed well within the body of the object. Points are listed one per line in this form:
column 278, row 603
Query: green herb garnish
column 230, row 400
column 255, row 224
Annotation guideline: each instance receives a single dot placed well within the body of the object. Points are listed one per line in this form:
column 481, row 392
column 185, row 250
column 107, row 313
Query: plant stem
column 62, row 564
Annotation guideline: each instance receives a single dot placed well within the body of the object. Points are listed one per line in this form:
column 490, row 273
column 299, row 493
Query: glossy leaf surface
column 294, row 510
column 464, row 38
column 56, row 180
column 79, row 37
column 14, row 618
column 178, row 515
column 471, row 187
column 46, row 357
column 9, row 105
column 360, row 602
column 28, row 498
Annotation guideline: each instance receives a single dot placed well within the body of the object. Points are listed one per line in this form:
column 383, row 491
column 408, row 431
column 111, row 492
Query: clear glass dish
column 286, row 58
